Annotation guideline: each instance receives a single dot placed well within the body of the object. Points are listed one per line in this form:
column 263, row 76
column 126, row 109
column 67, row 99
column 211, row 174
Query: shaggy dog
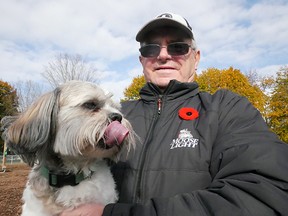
column 67, row 136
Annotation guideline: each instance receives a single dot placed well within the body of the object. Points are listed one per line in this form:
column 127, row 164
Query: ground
column 12, row 183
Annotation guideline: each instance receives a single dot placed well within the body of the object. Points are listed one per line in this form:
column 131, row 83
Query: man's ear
column 141, row 59
column 197, row 58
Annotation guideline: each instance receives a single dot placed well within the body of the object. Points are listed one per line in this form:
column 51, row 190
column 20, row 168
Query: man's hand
column 85, row 210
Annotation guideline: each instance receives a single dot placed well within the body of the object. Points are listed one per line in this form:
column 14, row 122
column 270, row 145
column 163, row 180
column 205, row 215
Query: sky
column 249, row 35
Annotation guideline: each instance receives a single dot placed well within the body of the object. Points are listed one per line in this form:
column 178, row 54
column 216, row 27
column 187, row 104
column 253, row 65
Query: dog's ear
column 6, row 121
column 31, row 133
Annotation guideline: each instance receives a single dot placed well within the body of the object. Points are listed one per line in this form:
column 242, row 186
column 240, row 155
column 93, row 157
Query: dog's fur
column 64, row 131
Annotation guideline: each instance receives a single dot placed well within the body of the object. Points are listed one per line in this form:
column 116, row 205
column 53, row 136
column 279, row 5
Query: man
column 200, row 154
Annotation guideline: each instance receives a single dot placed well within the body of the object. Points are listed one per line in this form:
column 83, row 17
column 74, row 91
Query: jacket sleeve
column 249, row 167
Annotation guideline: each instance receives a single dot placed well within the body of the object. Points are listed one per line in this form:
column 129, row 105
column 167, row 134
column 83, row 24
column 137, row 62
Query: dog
column 67, row 136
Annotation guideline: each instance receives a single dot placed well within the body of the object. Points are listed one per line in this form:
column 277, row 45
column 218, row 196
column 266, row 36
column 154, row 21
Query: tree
column 278, row 106
column 214, row 79
column 8, row 99
column 253, row 77
column 132, row 91
column 8, row 103
column 67, row 67
column 27, row 93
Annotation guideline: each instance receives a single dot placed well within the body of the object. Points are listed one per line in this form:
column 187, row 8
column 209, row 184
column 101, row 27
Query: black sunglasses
column 173, row 49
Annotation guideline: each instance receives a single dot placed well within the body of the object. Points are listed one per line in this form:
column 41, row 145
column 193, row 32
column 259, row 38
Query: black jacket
column 225, row 162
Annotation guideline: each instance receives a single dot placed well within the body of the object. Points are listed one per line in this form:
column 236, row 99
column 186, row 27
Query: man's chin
column 162, row 84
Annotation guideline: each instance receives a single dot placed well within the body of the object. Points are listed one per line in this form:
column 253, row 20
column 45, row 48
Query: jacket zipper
column 159, row 104
column 143, row 156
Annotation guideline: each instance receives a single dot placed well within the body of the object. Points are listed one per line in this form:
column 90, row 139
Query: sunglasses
column 173, row 49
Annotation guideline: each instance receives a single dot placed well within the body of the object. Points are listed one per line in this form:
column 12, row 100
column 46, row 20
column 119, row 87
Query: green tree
column 8, row 103
column 278, row 105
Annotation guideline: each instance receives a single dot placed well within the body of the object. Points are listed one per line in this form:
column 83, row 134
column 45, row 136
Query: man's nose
column 164, row 53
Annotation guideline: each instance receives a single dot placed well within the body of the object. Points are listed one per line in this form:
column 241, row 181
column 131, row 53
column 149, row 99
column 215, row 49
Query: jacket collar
column 174, row 90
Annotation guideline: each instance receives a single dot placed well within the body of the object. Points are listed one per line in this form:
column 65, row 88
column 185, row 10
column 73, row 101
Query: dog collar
column 60, row 180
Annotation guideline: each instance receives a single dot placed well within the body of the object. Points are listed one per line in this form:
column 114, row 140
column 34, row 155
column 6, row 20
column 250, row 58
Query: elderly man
column 200, row 154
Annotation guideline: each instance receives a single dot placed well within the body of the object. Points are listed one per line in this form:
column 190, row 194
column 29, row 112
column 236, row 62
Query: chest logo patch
column 185, row 140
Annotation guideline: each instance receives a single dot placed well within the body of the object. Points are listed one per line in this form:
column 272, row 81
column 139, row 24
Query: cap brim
column 160, row 22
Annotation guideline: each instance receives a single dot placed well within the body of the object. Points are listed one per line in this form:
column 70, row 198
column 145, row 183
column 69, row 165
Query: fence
column 11, row 159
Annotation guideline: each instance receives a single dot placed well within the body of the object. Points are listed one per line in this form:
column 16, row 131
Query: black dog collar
column 60, row 180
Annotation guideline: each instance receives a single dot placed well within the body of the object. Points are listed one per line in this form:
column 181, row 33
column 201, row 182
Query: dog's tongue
column 115, row 133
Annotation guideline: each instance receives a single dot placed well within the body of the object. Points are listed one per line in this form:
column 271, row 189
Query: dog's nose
column 115, row 117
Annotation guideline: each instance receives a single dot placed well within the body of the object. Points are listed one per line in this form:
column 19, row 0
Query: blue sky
column 248, row 35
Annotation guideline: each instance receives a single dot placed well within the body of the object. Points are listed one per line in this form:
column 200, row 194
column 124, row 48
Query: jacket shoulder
column 220, row 98
column 128, row 106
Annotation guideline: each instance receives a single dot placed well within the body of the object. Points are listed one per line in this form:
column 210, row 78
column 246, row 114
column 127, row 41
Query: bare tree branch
column 27, row 92
column 69, row 67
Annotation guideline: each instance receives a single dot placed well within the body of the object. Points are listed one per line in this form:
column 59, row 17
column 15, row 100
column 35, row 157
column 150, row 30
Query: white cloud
column 270, row 70
column 116, row 83
column 243, row 34
column 18, row 62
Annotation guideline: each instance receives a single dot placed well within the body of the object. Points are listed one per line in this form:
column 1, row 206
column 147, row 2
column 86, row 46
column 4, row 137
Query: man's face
column 165, row 67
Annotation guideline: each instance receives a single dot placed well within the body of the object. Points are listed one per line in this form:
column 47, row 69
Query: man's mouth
column 165, row 69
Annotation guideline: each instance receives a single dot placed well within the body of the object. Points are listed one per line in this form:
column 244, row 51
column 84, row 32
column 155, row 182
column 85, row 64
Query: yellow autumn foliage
column 214, row 79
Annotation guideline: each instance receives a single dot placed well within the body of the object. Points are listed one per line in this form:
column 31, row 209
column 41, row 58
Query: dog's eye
column 91, row 105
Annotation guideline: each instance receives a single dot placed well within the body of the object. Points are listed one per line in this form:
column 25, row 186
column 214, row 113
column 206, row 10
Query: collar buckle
column 60, row 180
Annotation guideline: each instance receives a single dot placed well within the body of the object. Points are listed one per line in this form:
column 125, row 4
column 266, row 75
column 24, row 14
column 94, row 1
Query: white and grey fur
column 64, row 131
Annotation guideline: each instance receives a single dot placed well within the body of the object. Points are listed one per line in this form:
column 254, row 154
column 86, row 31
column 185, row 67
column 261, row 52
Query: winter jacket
column 225, row 162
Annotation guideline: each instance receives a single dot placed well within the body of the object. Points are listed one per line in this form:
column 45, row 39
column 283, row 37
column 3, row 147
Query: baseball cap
column 165, row 19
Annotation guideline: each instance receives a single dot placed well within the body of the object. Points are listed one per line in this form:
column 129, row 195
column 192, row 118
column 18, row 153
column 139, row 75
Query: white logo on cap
column 167, row 15
column 177, row 18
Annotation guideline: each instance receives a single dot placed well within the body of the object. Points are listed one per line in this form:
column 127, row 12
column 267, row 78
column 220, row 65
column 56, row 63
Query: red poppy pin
column 188, row 113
